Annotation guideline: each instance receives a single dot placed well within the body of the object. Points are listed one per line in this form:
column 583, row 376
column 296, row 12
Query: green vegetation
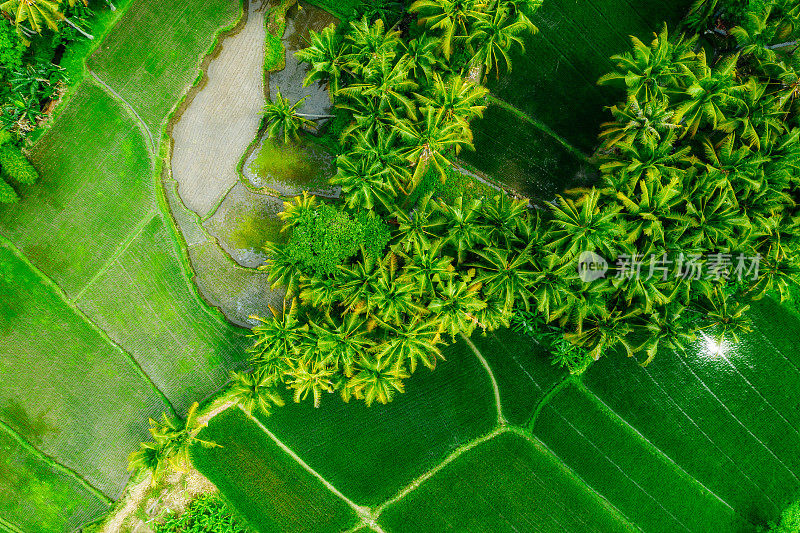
column 14, row 167
column 790, row 520
column 267, row 487
column 505, row 484
column 205, row 514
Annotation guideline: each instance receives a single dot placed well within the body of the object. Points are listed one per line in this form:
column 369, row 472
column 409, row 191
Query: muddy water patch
column 288, row 169
column 222, row 118
column 244, row 223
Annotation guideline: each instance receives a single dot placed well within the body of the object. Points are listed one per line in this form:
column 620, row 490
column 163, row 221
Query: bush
column 14, row 165
column 327, row 237
column 206, row 514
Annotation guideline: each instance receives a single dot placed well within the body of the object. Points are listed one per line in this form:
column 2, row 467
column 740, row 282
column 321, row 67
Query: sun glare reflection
column 714, row 347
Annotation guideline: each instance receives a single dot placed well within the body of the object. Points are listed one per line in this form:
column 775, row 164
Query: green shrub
column 15, row 165
column 207, row 514
column 7, row 193
column 327, row 237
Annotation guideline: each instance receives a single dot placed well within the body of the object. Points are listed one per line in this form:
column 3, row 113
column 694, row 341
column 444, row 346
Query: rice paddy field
column 551, row 96
column 108, row 320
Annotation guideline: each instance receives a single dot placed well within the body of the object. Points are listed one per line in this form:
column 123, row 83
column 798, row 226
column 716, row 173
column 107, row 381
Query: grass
column 54, row 501
column 108, row 171
column 184, row 347
column 370, row 453
column 523, row 371
column 75, row 396
column 524, row 159
column 504, row 484
column 155, row 51
column 630, row 472
column 729, row 421
column 263, row 483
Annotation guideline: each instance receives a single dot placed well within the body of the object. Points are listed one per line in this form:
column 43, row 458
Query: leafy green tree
column 494, row 38
column 453, row 19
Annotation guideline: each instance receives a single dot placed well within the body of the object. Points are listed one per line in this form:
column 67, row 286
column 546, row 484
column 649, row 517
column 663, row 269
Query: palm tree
column 602, row 331
column 427, row 268
column 505, row 274
column 356, row 283
column 283, row 266
column 463, row 226
column 755, row 36
column 416, row 340
column 584, row 228
column 713, row 221
column 458, row 98
column 38, row 13
column 506, row 219
column 297, row 209
column 393, row 295
column 651, row 160
column 383, row 148
column 171, row 444
column 416, row 231
column 552, row 285
column 724, row 317
column 420, row 57
column 711, row 96
column 309, row 377
column 456, row 303
column 282, row 117
column 252, row 391
column 664, row 328
column 325, row 56
column 454, row 18
column 494, row 38
column 647, row 212
column 431, row 141
column 377, row 380
column 653, row 72
column 277, row 341
column 342, row 343
column 387, row 84
column 369, row 42
column 637, row 123
column 364, row 183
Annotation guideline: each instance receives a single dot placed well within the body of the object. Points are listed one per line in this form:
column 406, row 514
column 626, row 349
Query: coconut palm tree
column 711, row 97
column 603, row 331
column 377, row 379
column 427, row 268
column 666, row 327
column 584, row 227
column 283, row 118
column 417, row 230
column 383, row 147
column 393, row 294
column 171, row 444
column 431, row 142
column 283, row 267
column 325, row 55
column 463, row 226
column 656, row 71
column 507, row 220
column 364, row 183
column 252, row 391
column 414, row 341
column 724, row 317
column 638, row 124
column 650, row 160
column 342, row 343
column 552, row 285
column 457, row 303
column 277, row 340
column 453, row 18
column 494, row 38
column 369, row 42
column 505, row 274
column 420, row 57
column 38, row 14
column 309, row 377
column 387, row 84
column 457, row 98
column 713, row 221
column 297, row 209
column 647, row 212
column 356, row 283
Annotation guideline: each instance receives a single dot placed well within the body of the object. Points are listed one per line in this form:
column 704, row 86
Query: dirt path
column 222, row 119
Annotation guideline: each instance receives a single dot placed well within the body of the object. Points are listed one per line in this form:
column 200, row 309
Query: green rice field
column 555, row 84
